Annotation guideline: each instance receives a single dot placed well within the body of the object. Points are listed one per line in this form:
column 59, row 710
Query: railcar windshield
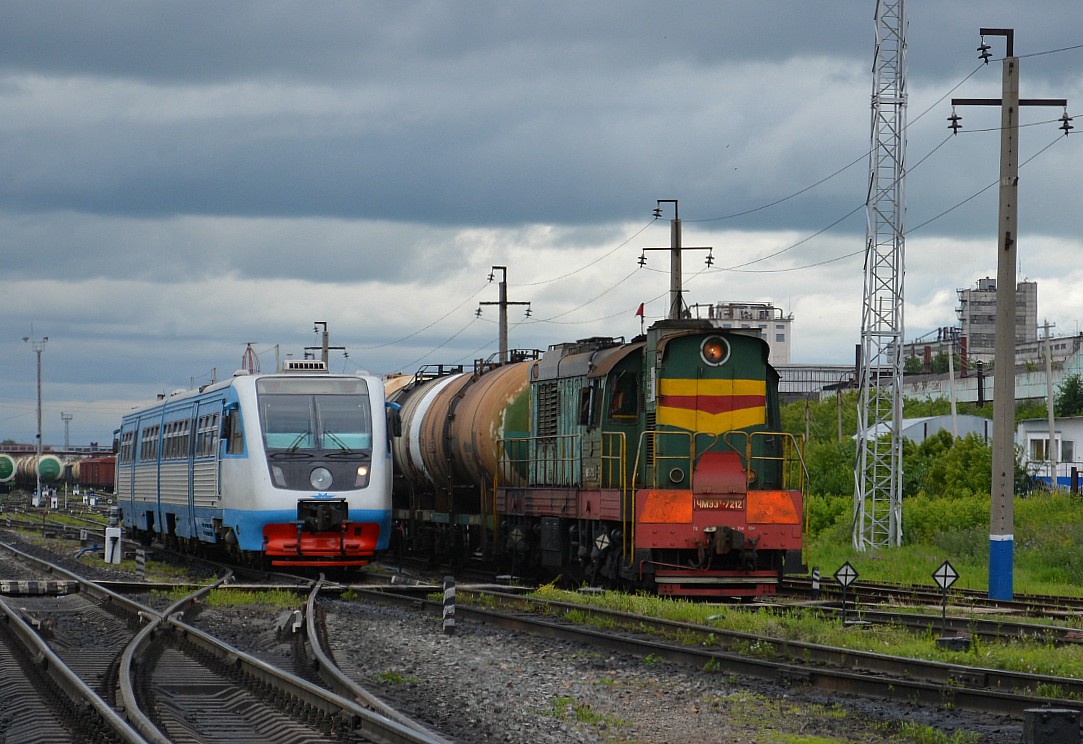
column 305, row 416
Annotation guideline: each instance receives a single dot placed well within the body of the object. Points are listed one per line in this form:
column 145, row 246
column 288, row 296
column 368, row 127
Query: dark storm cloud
column 213, row 41
column 179, row 178
column 447, row 113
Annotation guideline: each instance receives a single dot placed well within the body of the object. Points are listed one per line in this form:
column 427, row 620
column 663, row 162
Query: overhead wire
column 855, row 161
column 424, row 328
column 740, row 268
column 444, row 343
column 595, row 262
column 978, row 193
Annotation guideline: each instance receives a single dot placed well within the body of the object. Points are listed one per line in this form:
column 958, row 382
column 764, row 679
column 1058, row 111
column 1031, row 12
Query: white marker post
column 449, row 605
column 113, row 549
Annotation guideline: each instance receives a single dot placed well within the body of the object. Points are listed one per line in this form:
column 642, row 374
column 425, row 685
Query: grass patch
column 395, row 678
column 226, row 598
column 917, row 733
column 1046, row 559
column 278, row 598
column 1024, row 655
column 565, row 707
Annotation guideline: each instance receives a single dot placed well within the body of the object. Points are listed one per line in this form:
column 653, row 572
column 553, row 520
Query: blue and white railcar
column 288, row 469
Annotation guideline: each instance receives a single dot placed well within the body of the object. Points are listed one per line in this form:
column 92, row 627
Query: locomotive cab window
column 624, row 402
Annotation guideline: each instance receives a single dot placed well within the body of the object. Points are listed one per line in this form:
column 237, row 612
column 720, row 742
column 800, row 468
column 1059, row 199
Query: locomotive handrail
column 561, row 460
column 791, row 458
column 617, row 461
column 651, row 438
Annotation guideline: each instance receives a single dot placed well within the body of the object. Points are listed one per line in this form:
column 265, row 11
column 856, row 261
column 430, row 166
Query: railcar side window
column 233, row 433
column 124, row 455
column 586, row 395
column 148, row 445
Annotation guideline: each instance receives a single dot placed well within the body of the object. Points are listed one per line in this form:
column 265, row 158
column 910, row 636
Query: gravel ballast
column 487, row 684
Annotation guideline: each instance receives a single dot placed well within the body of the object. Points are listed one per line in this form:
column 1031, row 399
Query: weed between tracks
column 273, row 598
column 564, row 706
column 1028, row 656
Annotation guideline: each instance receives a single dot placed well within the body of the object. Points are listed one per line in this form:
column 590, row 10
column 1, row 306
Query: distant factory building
column 978, row 314
column 774, row 326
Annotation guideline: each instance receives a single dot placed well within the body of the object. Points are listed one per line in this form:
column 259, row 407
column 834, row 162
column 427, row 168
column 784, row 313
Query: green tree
column 831, row 467
column 1069, row 398
column 945, row 466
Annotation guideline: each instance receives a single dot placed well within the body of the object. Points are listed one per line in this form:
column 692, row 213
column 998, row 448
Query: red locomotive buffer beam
column 732, row 531
column 353, row 544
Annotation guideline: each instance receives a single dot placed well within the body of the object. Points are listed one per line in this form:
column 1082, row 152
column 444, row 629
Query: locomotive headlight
column 715, row 350
column 320, row 478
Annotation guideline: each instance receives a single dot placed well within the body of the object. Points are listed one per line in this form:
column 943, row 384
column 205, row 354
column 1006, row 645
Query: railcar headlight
column 362, row 476
column 320, row 478
column 715, row 350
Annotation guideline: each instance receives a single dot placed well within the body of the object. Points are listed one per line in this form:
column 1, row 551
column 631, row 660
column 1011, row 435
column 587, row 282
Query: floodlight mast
column 38, row 347
column 877, row 519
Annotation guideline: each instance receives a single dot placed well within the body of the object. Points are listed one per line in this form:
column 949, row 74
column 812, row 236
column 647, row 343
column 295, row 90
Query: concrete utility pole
column 677, row 305
column 38, row 346
column 503, row 303
column 324, row 348
column 1051, row 453
column 1001, row 507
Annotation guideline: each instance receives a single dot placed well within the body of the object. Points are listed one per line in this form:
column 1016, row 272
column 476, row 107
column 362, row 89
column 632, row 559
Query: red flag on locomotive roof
column 639, row 312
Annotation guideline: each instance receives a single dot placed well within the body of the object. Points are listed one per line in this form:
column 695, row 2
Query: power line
column 424, row 328
column 595, row 262
column 862, row 157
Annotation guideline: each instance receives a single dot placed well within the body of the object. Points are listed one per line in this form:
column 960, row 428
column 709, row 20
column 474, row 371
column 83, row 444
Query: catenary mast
column 878, row 468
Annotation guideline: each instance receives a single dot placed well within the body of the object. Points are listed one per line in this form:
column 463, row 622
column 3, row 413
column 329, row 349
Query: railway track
column 786, row 662
column 1033, row 605
column 928, row 619
column 147, row 675
column 953, row 688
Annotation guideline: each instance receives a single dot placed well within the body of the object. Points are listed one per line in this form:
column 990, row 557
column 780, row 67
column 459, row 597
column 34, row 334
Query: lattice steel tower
column 878, row 468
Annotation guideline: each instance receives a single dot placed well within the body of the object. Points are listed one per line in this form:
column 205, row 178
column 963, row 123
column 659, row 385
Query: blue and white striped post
column 449, row 605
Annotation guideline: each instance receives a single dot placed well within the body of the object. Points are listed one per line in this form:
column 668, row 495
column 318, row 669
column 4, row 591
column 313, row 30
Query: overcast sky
column 179, row 179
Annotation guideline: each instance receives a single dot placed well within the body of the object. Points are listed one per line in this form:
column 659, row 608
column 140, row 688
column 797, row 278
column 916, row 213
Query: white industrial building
column 1032, row 442
column 775, row 327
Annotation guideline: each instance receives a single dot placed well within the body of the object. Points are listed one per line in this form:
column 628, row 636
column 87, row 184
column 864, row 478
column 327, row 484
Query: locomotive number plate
column 720, row 503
